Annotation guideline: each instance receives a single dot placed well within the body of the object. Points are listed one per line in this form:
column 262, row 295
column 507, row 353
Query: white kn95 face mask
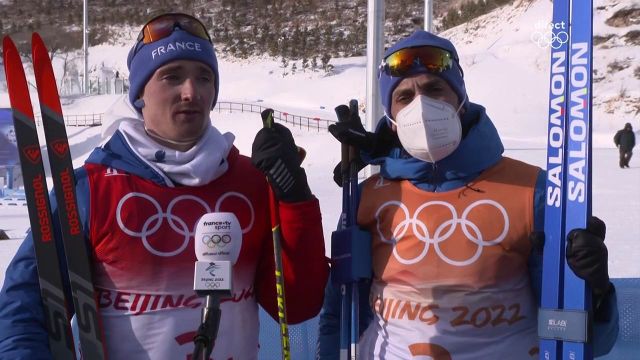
column 429, row 129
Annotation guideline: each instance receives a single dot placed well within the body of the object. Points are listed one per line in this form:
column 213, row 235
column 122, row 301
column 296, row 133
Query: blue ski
column 577, row 297
column 554, row 245
column 563, row 322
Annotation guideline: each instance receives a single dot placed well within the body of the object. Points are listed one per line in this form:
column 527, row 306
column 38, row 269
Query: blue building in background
column 9, row 159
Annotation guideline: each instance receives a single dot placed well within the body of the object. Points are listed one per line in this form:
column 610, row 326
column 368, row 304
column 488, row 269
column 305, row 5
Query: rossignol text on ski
column 42, row 222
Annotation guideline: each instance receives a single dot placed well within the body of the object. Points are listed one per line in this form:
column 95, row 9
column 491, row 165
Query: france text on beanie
column 144, row 60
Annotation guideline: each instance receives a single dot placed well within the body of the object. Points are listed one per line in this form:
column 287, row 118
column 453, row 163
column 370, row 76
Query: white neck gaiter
column 204, row 162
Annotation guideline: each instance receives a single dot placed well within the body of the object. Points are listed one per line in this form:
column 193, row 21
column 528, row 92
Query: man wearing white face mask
column 456, row 227
column 428, row 129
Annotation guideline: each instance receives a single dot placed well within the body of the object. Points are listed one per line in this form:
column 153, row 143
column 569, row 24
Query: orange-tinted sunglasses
column 163, row 25
column 434, row 59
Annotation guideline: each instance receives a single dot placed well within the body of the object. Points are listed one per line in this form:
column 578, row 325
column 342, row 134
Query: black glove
column 274, row 152
column 349, row 130
column 537, row 241
column 337, row 170
column 587, row 256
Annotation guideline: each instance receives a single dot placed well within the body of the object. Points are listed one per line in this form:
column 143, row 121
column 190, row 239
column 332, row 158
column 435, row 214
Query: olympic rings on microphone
column 442, row 233
column 212, row 285
column 152, row 224
column 216, row 240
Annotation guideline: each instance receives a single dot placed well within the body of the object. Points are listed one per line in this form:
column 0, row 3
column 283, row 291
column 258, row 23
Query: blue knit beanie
column 453, row 76
column 144, row 60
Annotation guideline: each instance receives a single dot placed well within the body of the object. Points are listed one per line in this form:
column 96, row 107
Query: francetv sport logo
column 549, row 34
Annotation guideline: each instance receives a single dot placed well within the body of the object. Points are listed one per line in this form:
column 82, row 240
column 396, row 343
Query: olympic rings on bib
column 177, row 224
column 442, row 233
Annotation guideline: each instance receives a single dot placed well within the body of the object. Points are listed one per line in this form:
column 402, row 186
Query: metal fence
column 97, row 86
column 77, row 120
column 302, row 122
column 310, row 123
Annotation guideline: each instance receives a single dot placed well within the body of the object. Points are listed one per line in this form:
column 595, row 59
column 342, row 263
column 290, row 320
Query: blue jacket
column 22, row 331
column 480, row 149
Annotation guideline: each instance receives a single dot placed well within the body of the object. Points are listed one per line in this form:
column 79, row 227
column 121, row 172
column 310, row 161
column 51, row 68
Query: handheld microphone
column 218, row 239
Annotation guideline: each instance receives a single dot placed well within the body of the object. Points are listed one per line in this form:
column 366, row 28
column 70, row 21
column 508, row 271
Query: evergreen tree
column 294, row 29
column 306, row 35
column 284, row 66
column 325, row 62
column 296, row 43
column 242, row 48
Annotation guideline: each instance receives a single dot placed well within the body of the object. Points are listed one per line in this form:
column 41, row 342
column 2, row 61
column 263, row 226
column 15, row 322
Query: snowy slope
column 507, row 71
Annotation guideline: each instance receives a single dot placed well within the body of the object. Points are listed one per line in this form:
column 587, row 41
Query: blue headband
column 144, row 60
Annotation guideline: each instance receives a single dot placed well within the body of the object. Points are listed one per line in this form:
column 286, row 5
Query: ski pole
column 345, row 288
column 352, row 214
column 267, row 121
column 350, row 245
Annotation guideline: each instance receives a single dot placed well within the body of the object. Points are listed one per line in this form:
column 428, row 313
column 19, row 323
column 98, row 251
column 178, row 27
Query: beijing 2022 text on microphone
column 218, row 239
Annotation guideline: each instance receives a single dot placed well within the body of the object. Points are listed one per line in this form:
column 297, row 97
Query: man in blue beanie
column 455, row 226
column 140, row 197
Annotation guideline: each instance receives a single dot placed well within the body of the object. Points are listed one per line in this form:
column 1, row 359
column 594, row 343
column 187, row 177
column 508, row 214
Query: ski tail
column 73, row 238
column 54, row 300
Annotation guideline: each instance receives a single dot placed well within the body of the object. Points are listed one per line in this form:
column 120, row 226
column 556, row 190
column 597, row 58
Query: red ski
column 72, row 235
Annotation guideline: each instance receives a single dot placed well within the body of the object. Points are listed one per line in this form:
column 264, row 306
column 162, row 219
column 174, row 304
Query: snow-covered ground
column 504, row 71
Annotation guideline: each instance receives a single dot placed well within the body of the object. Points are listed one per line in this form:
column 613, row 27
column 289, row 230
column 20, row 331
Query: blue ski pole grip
column 350, row 255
